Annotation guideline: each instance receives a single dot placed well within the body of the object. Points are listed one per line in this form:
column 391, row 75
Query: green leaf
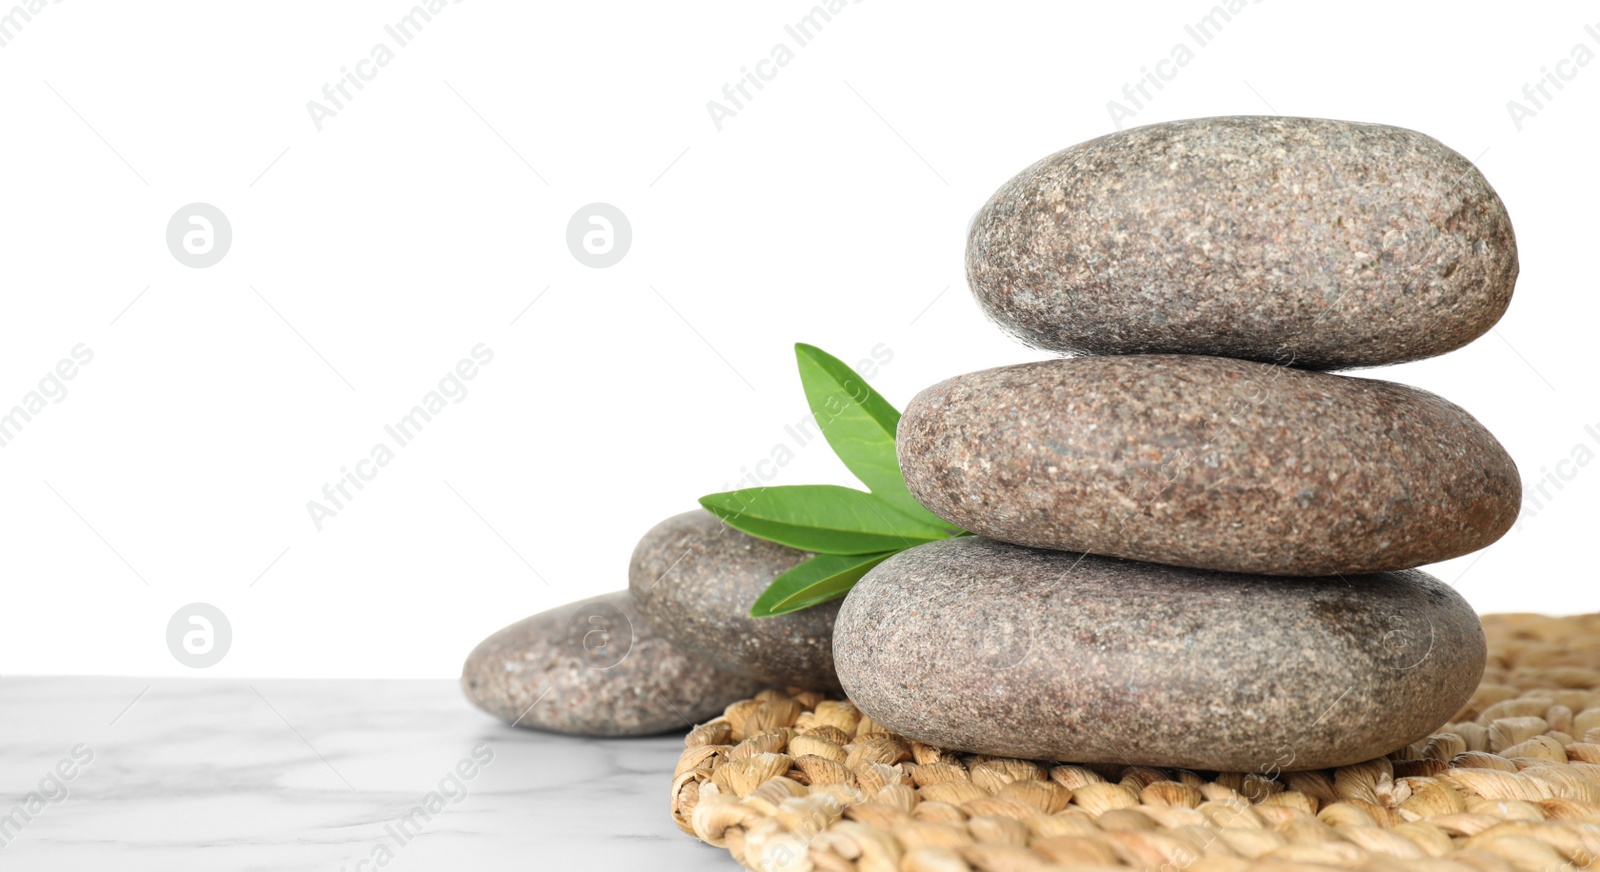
column 823, row 578
column 859, row 424
column 823, row 518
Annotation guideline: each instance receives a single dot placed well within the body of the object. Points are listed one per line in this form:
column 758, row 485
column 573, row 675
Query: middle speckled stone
column 1209, row 463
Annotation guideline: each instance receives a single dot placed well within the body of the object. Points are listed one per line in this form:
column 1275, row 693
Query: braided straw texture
column 797, row 781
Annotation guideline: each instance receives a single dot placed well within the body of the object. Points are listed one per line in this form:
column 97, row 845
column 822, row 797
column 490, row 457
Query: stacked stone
column 1197, row 546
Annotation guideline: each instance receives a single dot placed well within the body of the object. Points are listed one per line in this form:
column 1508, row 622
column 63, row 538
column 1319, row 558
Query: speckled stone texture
column 1299, row 241
column 694, row 578
column 1210, row 463
column 985, row 647
column 594, row 668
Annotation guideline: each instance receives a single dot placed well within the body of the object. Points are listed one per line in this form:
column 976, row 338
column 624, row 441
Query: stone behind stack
column 672, row 650
column 694, row 579
column 1274, row 242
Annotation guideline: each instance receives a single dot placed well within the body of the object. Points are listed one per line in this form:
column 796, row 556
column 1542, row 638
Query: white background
column 831, row 209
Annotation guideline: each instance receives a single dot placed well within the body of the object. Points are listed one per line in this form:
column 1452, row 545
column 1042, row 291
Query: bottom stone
column 979, row 646
column 594, row 668
column 798, row 781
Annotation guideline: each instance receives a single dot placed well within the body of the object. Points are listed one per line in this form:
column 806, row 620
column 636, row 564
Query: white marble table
column 300, row 775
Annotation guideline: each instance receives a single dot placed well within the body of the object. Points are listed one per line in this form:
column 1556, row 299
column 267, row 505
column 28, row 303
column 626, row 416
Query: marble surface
column 248, row 775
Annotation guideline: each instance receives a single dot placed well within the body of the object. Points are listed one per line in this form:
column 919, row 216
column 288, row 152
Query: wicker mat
column 796, row 781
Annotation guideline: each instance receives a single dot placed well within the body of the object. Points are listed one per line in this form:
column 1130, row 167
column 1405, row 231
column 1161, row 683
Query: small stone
column 694, row 578
column 1209, row 463
column 595, row 668
column 1321, row 244
column 974, row 645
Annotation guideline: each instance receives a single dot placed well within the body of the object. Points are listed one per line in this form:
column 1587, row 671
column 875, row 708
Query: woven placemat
column 798, row 781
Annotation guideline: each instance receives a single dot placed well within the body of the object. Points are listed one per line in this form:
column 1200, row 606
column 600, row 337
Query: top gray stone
column 1299, row 241
column 694, row 578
